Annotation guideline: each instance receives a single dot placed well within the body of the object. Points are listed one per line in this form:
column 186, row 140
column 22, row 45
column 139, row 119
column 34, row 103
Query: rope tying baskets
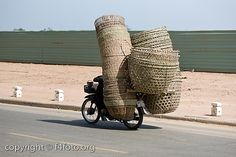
column 155, row 38
column 115, row 44
column 152, row 70
column 166, row 102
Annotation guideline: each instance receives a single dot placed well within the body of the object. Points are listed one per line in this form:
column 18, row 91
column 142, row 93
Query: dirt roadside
column 39, row 82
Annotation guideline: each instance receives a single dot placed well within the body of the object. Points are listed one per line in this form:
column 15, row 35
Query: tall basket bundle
column 166, row 102
column 152, row 70
column 108, row 21
column 155, row 38
column 114, row 42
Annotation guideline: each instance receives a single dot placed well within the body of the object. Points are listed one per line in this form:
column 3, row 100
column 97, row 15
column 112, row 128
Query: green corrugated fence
column 199, row 50
column 72, row 47
column 206, row 50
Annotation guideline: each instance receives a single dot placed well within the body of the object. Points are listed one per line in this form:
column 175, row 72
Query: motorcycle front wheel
column 137, row 121
column 90, row 111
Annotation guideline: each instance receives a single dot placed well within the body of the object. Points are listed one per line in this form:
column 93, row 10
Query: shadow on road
column 111, row 125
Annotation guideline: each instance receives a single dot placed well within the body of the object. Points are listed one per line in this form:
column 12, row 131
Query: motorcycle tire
column 138, row 117
column 90, row 111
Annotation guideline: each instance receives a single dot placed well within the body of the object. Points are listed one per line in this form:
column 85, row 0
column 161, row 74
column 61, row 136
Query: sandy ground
column 39, row 82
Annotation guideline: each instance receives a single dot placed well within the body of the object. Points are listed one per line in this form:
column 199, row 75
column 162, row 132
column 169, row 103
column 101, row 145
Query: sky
column 35, row 15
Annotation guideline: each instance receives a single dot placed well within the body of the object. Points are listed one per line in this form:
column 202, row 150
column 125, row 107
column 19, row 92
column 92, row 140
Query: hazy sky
column 139, row 14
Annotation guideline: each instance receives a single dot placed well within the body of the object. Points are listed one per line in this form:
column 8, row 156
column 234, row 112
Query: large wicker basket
column 151, row 71
column 155, row 38
column 166, row 102
column 108, row 21
column 115, row 44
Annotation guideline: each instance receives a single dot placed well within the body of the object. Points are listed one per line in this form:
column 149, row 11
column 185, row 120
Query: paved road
column 30, row 131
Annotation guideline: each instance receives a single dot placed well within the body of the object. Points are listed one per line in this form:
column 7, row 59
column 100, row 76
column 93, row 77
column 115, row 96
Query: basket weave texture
column 166, row 102
column 108, row 21
column 155, row 38
column 115, row 44
column 147, row 61
column 152, row 70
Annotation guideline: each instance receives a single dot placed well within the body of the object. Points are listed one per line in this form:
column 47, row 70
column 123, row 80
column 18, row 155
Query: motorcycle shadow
column 109, row 125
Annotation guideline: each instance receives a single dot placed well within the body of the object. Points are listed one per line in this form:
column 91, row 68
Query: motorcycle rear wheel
column 90, row 111
column 137, row 121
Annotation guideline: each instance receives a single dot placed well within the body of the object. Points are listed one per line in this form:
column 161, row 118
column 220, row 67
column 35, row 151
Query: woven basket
column 110, row 65
column 121, row 30
column 114, row 41
column 166, row 102
column 152, row 71
column 108, row 21
column 155, row 56
column 115, row 87
column 114, row 104
column 155, row 38
column 121, row 112
column 115, row 44
column 120, row 48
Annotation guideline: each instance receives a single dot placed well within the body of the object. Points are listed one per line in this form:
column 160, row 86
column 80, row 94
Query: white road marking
column 57, row 141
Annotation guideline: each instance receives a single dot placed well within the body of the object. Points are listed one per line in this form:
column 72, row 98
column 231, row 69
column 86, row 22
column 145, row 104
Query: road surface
column 31, row 131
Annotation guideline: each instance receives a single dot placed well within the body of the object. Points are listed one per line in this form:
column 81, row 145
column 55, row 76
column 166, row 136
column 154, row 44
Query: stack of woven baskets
column 155, row 38
column 154, row 70
column 147, row 60
column 115, row 44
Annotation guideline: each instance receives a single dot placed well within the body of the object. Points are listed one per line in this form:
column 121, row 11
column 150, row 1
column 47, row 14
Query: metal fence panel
column 200, row 50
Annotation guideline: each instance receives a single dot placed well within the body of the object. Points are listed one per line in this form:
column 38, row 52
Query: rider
column 100, row 97
column 99, row 91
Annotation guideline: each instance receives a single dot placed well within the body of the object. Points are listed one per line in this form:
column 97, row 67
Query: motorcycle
column 93, row 107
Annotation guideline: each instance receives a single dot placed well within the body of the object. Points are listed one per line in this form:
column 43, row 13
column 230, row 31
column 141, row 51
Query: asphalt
column 49, row 132
column 78, row 108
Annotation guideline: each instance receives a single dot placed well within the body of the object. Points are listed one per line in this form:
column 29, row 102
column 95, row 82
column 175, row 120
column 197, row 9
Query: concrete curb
column 78, row 108
column 44, row 105
column 194, row 119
